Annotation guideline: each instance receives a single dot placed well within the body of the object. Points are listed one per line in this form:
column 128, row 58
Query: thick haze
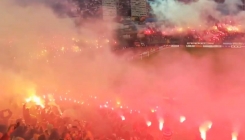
column 38, row 54
column 198, row 12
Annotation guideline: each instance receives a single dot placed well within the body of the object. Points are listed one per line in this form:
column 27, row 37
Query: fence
column 153, row 50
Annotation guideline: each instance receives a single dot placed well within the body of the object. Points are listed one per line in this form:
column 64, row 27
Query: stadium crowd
column 48, row 123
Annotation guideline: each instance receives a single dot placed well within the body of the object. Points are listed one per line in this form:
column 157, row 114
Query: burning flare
column 148, row 123
column 36, row 100
column 182, row 119
column 161, row 122
column 204, row 128
column 234, row 135
column 123, row 118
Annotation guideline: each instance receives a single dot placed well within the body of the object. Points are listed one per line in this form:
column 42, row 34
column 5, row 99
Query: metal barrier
column 160, row 48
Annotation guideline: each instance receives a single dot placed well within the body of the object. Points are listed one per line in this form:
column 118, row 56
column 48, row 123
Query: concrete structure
column 109, row 8
column 139, row 8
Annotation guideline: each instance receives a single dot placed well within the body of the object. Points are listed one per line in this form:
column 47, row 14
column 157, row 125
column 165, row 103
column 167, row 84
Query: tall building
column 124, row 8
column 139, row 8
column 240, row 6
column 219, row 1
column 109, row 9
column 243, row 5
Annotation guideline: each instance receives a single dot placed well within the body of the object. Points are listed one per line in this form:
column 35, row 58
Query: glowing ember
column 123, row 118
column 182, row 119
column 35, row 99
column 148, row 123
column 204, row 128
column 161, row 122
column 180, row 29
column 234, row 135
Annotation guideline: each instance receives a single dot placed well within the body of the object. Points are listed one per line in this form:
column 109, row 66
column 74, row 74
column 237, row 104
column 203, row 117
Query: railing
column 153, row 50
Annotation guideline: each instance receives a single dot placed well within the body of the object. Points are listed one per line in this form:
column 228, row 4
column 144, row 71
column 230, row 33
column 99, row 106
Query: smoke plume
column 196, row 13
column 40, row 54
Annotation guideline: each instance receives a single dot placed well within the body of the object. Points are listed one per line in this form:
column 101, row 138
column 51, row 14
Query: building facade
column 109, row 9
column 139, row 8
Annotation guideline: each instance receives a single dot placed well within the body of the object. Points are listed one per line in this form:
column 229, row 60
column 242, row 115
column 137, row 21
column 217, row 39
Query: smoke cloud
column 39, row 52
column 35, row 44
column 196, row 14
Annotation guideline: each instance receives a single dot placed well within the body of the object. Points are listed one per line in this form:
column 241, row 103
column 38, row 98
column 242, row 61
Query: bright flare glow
column 232, row 28
column 204, row 128
column 182, row 119
column 28, row 100
column 215, row 27
column 203, row 133
column 180, row 29
column 35, row 99
column 123, row 118
column 234, row 135
column 161, row 122
column 148, row 123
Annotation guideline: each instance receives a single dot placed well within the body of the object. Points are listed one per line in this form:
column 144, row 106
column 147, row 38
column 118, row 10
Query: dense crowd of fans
column 49, row 123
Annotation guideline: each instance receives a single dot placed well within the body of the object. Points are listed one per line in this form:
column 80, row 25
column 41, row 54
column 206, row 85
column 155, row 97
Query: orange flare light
column 234, row 135
column 182, row 119
column 161, row 122
column 123, row 118
column 35, row 99
column 204, row 128
column 148, row 123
